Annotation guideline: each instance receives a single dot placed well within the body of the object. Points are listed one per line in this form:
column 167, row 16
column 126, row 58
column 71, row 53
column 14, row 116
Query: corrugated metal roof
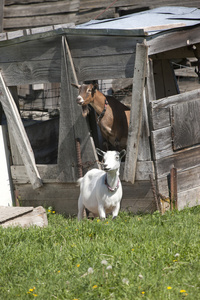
column 152, row 21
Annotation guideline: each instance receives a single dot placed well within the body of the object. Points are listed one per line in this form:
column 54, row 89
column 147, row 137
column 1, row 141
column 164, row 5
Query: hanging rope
column 105, row 9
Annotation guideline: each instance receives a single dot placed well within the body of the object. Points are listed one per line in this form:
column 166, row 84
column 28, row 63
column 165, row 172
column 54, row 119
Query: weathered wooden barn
column 164, row 130
column 23, row 14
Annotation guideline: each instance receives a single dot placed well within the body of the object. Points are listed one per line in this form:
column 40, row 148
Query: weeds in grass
column 132, row 257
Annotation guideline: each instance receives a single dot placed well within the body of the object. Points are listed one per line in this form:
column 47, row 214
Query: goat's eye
column 117, row 157
column 89, row 91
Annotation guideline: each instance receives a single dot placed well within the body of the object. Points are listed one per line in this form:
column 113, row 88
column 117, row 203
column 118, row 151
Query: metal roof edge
column 25, row 35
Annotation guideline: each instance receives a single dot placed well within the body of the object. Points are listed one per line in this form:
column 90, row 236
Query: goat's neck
column 113, row 178
column 99, row 102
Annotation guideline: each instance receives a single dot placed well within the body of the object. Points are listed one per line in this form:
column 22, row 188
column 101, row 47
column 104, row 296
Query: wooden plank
column 144, row 169
column 15, row 154
column 164, row 26
column 36, row 21
column 37, row 217
column 176, row 53
column 27, row 72
column 20, row 136
column 173, row 40
column 1, row 15
column 48, row 173
column 144, row 151
column 137, row 198
column 185, row 124
column 164, row 78
column 181, row 160
column 187, row 180
column 72, row 123
column 101, row 45
column 11, row 2
column 150, row 85
column 88, row 15
column 136, row 112
column 7, row 213
column 38, row 61
column 33, row 50
column 189, row 198
column 105, row 67
column 88, row 4
column 161, row 140
column 39, row 9
column 160, row 109
column 62, row 197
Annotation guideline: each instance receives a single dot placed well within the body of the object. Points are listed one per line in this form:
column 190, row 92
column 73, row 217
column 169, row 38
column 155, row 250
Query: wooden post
column 1, row 14
column 136, row 112
column 72, row 123
column 173, row 188
column 19, row 134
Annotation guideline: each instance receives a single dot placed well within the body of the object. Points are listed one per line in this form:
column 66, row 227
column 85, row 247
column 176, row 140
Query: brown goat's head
column 86, row 96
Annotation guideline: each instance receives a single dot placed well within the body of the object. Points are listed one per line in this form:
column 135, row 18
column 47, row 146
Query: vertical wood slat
column 151, row 92
column 164, row 78
column 1, row 14
column 136, row 112
column 173, row 188
column 19, row 134
column 72, row 123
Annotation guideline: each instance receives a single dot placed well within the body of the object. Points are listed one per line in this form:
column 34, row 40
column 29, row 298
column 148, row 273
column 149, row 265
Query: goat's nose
column 105, row 167
column 79, row 100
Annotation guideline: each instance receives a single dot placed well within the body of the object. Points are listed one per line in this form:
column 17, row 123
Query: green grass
column 152, row 257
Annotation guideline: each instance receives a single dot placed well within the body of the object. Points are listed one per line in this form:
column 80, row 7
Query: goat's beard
column 85, row 110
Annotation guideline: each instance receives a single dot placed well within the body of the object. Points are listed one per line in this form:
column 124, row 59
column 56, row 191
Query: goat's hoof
column 114, row 217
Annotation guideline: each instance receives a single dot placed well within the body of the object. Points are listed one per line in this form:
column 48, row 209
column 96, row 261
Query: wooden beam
column 72, row 123
column 136, row 112
column 151, row 92
column 1, row 14
column 41, row 9
column 19, row 134
column 171, row 40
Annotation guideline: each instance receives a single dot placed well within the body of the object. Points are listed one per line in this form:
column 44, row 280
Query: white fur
column 95, row 194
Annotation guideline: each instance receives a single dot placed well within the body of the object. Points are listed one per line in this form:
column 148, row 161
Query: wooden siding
column 21, row 14
column 186, row 159
column 63, row 197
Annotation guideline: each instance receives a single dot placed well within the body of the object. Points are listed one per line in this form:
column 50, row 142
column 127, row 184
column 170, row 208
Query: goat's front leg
column 80, row 208
column 102, row 213
column 115, row 211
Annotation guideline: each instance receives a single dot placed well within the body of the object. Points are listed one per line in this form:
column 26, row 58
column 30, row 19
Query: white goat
column 101, row 190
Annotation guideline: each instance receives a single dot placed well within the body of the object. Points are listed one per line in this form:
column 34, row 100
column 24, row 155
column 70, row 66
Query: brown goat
column 112, row 116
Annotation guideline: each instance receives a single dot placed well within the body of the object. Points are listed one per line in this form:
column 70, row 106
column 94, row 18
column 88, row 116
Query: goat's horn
column 76, row 85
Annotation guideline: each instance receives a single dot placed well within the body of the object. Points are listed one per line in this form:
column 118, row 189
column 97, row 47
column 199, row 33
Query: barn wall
column 19, row 14
column 63, row 197
column 39, row 60
column 175, row 143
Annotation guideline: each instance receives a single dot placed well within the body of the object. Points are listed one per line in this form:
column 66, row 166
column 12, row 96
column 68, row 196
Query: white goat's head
column 111, row 159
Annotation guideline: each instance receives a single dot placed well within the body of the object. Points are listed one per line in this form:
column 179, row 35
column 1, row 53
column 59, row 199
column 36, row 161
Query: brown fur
column 114, row 124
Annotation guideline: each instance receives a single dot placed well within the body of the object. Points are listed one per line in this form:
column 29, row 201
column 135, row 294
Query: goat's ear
column 122, row 153
column 76, row 85
column 100, row 152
